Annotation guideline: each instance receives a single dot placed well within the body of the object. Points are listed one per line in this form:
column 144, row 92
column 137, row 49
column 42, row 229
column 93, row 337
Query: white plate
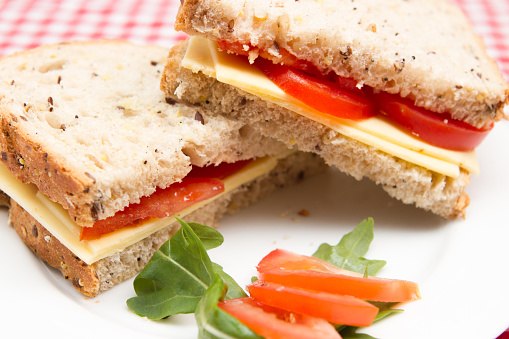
column 461, row 266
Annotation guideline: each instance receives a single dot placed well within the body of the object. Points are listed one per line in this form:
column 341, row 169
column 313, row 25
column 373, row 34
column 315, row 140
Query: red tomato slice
column 340, row 309
column 437, row 129
column 311, row 273
column 221, row 171
column 162, row 203
column 274, row 323
column 286, row 58
column 166, row 202
column 323, row 95
column 328, row 97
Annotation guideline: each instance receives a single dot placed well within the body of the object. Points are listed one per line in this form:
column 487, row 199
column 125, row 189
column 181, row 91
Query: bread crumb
column 284, row 214
column 303, row 212
column 261, row 16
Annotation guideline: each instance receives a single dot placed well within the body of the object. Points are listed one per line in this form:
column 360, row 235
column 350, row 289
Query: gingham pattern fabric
column 490, row 19
column 29, row 23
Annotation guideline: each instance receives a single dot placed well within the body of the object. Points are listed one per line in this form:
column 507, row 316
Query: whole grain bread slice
column 405, row 181
column 87, row 123
column 100, row 276
column 425, row 50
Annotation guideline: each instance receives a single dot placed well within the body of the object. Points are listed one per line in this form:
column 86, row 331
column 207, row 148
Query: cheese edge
column 58, row 222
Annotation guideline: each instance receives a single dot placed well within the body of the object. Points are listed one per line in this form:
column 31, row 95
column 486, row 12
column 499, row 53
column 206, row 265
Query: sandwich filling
column 201, row 184
column 103, row 243
column 357, row 118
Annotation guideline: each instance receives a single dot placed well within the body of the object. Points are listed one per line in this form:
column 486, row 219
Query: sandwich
column 97, row 162
column 399, row 92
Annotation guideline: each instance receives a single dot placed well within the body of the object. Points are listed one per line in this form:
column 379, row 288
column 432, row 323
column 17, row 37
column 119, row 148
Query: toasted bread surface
column 425, row 50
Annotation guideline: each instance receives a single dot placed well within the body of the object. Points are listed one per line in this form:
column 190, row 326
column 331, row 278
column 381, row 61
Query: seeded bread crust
column 4, row 200
column 93, row 279
column 94, row 132
column 425, row 50
column 402, row 180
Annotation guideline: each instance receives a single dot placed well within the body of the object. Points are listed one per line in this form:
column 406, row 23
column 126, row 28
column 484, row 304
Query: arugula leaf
column 348, row 253
column 178, row 274
column 234, row 290
column 209, row 237
column 385, row 309
column 350, row 332
column 214, row 323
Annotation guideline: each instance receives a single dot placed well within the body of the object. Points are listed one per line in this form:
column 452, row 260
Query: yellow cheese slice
column 58, row 222
column 203, row 56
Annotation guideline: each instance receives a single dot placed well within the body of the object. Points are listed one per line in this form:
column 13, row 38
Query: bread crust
column 48, row 248
column 100, row 276
column 5, row 201
column 30, row 163
column 402, row 180
column 387, row 45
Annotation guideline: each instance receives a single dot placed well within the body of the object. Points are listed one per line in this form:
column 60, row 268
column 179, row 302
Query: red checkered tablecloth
column 29, row 23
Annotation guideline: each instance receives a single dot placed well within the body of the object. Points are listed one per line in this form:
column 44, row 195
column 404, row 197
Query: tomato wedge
column 274, row 323
column 340, row 309
column 437, row 129
column 323, row 95
column 300, row 271
column 162, row 203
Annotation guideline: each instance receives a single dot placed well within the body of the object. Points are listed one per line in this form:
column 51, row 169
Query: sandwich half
column 97, row 161
column 400, row 92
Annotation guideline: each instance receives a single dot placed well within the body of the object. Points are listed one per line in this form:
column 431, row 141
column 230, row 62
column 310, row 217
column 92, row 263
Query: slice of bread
column 100, row 276
column 425, row 50
column 87, row 123
column 407, row 182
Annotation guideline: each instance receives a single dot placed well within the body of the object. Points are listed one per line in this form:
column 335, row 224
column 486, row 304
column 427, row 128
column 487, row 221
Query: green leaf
column 234, row 290
column 209, row 237
column 214, row 323
column 349, row 252
column 385, row 309
column 177, row 275
column 350, row 332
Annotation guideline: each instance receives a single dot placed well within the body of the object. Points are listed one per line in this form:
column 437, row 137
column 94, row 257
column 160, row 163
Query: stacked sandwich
column 400, row 92
column 97, row 162
column 100, row 153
